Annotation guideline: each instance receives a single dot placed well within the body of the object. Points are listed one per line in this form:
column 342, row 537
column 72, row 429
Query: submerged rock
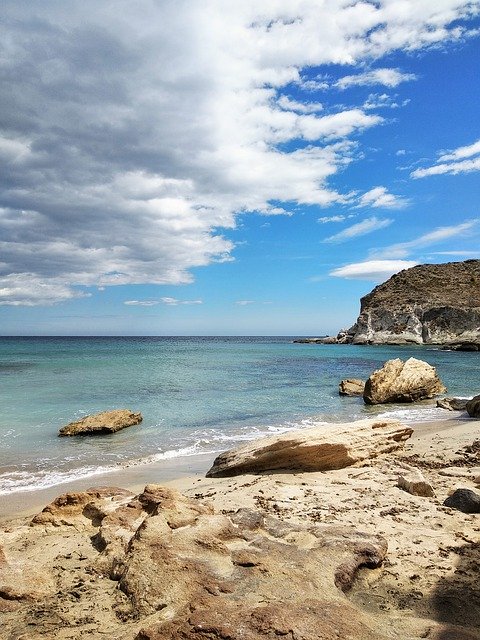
column 101, row 423
column 399, row 381
column 315, row 449
column 351, row 387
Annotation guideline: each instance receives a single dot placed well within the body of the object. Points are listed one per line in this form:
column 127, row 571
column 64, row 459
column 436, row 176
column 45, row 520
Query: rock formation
column 179, row 571
column 101, row 423
column 452, row 404
column 351, row 387
column 399, row 381
column 473, row 407
column 316, row 449
column 427, row 304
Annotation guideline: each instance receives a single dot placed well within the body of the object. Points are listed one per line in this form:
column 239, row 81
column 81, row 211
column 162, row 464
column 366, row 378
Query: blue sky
column 200, row 168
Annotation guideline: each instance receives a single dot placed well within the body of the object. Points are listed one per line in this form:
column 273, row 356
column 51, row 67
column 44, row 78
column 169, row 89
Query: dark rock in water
column 101, row 423
column 399, row 381
column 473, row 407
column 464, row 500
column 427, row 304
column 464, row 346
column 452, row 404
column 351, row 387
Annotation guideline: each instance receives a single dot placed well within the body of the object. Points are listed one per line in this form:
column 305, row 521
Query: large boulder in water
column 101, row 423
column 321, row 448
column 399, row 381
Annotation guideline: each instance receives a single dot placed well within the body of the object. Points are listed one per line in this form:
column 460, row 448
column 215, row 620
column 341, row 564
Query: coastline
column 185, row 473
column 418, row 589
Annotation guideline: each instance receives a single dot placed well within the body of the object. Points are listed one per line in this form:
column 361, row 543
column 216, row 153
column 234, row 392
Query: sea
column 197, row 395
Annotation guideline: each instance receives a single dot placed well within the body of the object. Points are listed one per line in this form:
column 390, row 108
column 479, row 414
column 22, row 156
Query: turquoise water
column 197, row 395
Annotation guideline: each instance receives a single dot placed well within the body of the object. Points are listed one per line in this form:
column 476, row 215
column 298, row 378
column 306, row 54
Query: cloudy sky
column 216, row 167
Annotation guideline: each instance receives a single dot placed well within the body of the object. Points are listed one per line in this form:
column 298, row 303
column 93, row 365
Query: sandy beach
column 420, row 589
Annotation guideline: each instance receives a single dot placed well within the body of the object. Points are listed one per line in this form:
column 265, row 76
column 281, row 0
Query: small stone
column 413, row 482
column 464, row 500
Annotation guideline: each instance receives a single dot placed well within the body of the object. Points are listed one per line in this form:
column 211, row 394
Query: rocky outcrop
column 399, row 381
column 427, row 304
column 181, row 572
column 351, row 387
column 101, row 423
column 473, row 407
column 315, row 449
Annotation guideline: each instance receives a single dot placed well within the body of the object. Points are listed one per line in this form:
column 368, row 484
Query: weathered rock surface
column 399, row 381
column 464, row 500
column 315, row 449
column 351, row 387
column 427, row 304
column 452, row 404
column 101, row 423
column 413, row 481
column 182, row 571
column 473, row 407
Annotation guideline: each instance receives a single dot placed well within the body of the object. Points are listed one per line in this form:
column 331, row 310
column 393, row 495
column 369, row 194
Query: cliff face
column 427, row 304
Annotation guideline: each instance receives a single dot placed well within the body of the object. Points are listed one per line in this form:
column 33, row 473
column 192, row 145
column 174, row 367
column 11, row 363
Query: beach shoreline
column 182, row 473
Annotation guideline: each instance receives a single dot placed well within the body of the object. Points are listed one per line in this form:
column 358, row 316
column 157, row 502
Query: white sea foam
column 424, row 414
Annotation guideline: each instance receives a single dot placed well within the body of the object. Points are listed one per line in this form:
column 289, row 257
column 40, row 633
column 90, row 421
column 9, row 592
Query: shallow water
column 197, row 395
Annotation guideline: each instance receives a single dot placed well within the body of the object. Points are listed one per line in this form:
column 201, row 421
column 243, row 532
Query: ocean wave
column 424, row 414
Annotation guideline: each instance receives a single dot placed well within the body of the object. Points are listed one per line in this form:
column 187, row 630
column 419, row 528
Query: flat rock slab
column 351, row 387
column 453, row 404
column 399, row 381
column 101, row 423
column 321, row 448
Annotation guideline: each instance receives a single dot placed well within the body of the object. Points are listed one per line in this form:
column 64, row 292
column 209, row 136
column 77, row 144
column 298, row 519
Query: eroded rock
column 399, row 381
column 452, row 404
column 315, row 449
column 413, row 481
column 102, row 423
column 351, row 387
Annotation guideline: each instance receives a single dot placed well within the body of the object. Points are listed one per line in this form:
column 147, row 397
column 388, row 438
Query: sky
column 211, row 167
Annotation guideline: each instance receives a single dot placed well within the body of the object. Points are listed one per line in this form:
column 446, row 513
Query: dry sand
column 429, row 582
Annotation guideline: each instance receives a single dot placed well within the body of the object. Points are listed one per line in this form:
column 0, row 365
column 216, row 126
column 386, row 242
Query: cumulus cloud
column 378, row 197
column 457, row 161
column 132, row 134
column 376, row 270
column 359, row 229
column 386, row 77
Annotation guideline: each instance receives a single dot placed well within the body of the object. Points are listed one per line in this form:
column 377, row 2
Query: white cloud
column 453, row 168
column 133, row 133
column 327, row 219
column 376, row 270
column 171, row 302
column 244, row 303
column 453, row 162
column 386, row 77
column 403, row 249
column 301, row 107
column 359, row 229
column 378, row 197
column 461, row 152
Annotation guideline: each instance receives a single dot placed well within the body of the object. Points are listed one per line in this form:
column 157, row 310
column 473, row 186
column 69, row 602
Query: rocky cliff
column 427, row 304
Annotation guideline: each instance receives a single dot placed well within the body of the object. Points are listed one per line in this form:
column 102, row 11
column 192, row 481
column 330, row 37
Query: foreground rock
column 427, row 304
column 181, row 571
column 452, row 404
column 464, row 500
column 399, row 381
column 351, row 387
column 101, row 423
column 413, row 481
column 473, row 407
column 315, row 449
